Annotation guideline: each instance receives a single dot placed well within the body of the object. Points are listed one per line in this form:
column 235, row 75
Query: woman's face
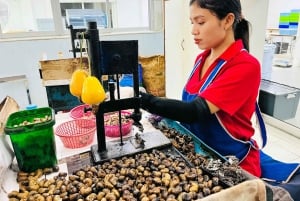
column 208, row 31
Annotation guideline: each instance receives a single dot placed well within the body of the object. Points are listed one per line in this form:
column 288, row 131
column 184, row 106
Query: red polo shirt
column 234, row 91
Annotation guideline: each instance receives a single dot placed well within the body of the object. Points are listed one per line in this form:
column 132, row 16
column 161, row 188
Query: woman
column 220, row 95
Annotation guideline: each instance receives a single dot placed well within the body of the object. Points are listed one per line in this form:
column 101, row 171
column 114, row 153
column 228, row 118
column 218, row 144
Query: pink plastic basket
column 76, row 133
column 78, row 112
column 114, row 130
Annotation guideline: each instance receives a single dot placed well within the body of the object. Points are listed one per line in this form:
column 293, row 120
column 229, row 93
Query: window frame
column 60, row 31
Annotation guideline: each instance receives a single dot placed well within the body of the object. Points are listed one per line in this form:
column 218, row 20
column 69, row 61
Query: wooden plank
column 61, row 69
column 13, row 78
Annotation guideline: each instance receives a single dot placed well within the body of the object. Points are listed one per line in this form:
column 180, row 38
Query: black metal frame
column 74, row 36
column 112, row 58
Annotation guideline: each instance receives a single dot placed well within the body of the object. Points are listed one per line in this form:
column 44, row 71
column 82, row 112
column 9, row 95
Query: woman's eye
column 200, row 23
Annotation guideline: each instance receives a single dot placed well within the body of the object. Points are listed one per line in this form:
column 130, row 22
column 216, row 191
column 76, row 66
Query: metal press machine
column 114, row 58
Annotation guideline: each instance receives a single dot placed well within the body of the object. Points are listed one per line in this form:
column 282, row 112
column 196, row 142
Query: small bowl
column 111, row 124
column 76, row 133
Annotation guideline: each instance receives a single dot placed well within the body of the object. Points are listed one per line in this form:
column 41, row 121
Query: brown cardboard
column 61, row 69
column 7, row 107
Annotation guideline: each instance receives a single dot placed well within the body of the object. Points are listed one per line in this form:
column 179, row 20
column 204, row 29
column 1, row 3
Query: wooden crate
column 61, row 69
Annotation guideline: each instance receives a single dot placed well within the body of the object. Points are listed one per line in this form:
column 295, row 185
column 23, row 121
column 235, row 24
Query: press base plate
column 132, row 145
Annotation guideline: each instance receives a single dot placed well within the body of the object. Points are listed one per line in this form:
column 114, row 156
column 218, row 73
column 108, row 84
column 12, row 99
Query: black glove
column 145, row 100
column 186, row 112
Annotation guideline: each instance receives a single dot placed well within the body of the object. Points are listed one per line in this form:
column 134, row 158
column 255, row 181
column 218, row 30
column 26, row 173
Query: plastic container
column 113, row 129
column 60, row 98
column 278, row 100
column 288, row 31
column 76, row 133
column 32, row 138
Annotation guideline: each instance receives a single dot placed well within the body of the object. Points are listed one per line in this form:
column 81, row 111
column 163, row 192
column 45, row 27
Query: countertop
column 9, row 180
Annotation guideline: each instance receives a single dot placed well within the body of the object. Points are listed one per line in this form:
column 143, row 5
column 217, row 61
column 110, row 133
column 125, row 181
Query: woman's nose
column 194, row 30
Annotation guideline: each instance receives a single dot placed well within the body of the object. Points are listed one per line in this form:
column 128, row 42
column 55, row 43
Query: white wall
column 255, row 11
column 174, row 39
column 22, row 58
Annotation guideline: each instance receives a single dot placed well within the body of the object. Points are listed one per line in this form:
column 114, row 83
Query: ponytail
column 241, row 31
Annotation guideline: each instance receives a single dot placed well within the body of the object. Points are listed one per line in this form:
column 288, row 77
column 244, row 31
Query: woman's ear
column 229, row 20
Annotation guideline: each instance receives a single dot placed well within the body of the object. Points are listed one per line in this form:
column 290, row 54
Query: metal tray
column 226, row 169
column 200, row 146
column 79, row 161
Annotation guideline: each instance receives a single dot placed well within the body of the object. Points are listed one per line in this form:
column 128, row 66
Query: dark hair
column 221, row 8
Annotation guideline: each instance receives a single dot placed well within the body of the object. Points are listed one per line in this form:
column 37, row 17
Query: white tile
column 281, row 154
column 297, row 160
column 282, row 146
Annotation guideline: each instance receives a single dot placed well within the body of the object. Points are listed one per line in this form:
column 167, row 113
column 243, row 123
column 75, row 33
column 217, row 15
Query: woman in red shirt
column 220, row 95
